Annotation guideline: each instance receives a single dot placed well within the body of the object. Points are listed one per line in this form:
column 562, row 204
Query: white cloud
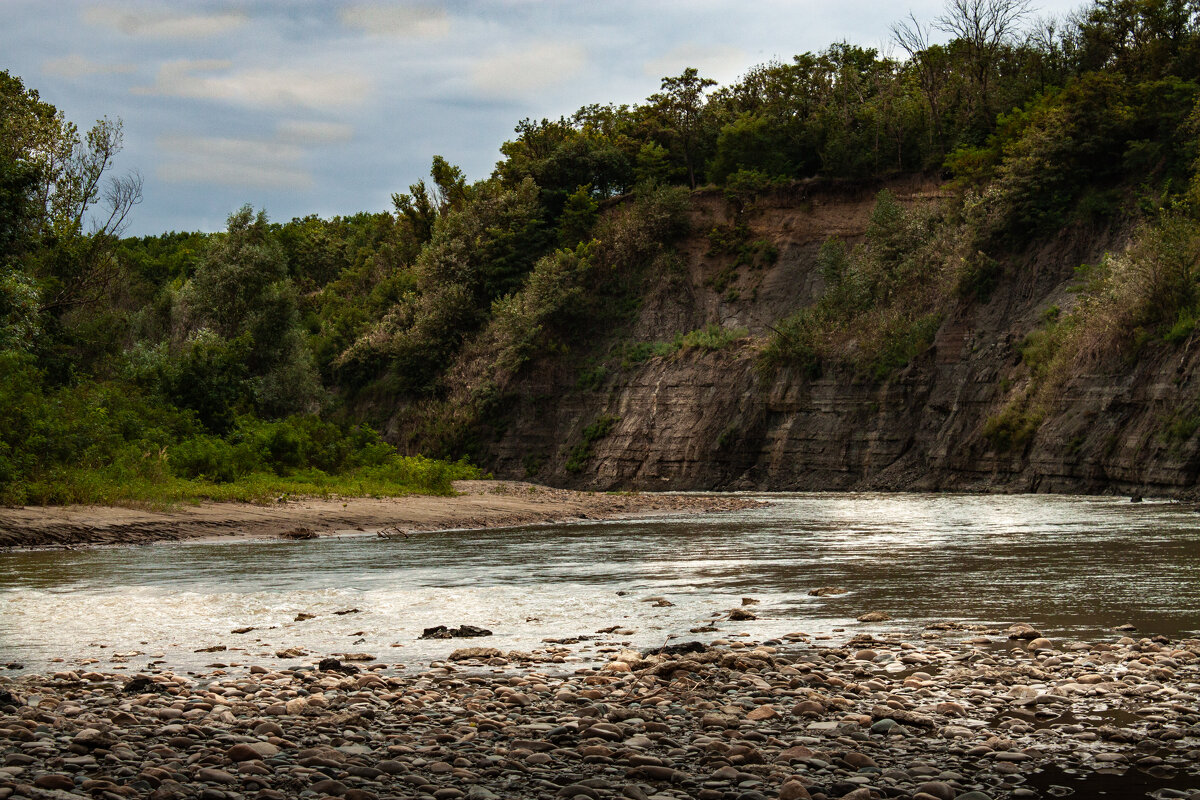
column 157, row 24
column 274, row 163
column 308, row 132
column 519, row 72
column 226, row 161
column 421, row 22
column 721, row 62
column 273, row 88
column 78, row 66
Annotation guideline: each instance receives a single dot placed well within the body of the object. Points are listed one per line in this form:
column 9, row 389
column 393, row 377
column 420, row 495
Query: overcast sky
column 323, row 107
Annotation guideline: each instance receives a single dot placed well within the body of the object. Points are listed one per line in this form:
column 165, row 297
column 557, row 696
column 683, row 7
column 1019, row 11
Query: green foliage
column 883, row 301
column 712, row 337
column 541, row 317
column 581, row 453
column 728, row 436
column 901, row 341
column 749, row 151
column 1011, row 429
column 210, row 377
column 978, row 277
column 478, row 253
column 578, row 217
column 104, row 442
column 241, row 307
column 734, row 239
column 1063, row 153
column 190, row 360
column 1180, row 425
column 592, row 378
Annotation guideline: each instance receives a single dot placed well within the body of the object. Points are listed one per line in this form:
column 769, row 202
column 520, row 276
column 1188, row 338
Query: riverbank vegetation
column 279, row 352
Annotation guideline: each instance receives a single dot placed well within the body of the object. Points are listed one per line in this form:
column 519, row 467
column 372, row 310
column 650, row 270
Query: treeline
column 256, row 353
column 174, row 367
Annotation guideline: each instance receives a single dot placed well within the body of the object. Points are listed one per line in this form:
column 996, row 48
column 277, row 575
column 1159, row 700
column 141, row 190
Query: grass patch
column 114, row 486
column 710, row 338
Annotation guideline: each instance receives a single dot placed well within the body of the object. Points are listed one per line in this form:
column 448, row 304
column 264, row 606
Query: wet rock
column 859, row 760
column 681, row 649
column 461, row 632
column 875, row 616
column 143, row 684
column 334, row 665
column 693, row 721
column 828, row 591
column 761, row 713
column 741, row 615
column 1022, row 631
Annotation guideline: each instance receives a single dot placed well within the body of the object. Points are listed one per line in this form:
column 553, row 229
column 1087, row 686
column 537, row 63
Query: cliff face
column 701, row 419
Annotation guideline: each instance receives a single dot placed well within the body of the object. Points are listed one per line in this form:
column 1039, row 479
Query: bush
column 1012, row 428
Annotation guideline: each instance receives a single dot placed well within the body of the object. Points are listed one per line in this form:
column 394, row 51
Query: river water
column 1072, row 566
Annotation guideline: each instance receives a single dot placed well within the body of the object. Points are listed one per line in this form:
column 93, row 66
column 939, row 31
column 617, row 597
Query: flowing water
column 1072, row 566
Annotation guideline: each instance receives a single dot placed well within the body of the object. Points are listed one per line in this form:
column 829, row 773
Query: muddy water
column 1072, row 566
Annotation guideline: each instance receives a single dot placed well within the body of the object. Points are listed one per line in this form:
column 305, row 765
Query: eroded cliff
column 695, row 418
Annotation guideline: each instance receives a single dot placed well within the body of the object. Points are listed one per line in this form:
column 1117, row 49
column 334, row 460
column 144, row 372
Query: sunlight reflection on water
column 1070, row 565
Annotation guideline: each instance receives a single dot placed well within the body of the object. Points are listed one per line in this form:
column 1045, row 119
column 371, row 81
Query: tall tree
column 79, row 209
column 984, row 27
column 930, row 64
column 681, row 103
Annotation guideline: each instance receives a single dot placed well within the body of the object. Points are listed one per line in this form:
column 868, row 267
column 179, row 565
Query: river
column 1072, row 566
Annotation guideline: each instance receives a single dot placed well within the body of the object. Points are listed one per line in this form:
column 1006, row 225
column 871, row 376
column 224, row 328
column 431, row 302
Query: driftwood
column 391, row 532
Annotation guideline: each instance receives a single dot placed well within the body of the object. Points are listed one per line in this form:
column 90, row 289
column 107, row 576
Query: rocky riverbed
column 976, row 714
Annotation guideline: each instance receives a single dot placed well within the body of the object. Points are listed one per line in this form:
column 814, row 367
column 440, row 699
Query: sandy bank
column 479, row 504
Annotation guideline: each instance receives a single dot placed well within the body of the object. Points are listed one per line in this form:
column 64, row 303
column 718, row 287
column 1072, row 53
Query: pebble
column 961, row 720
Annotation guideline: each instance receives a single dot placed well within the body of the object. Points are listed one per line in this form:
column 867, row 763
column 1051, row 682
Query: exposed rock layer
column 708, row 420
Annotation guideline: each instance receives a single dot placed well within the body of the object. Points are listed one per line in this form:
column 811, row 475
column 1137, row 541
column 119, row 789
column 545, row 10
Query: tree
column 681, row 105
column 422, row 206
column 77, row 209
column 929, row 64
column 1144, row 39
column 984, row 27
column 242, row 295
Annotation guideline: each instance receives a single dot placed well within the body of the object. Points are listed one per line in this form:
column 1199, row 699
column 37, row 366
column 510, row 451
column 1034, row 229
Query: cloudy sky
column 316, row 106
